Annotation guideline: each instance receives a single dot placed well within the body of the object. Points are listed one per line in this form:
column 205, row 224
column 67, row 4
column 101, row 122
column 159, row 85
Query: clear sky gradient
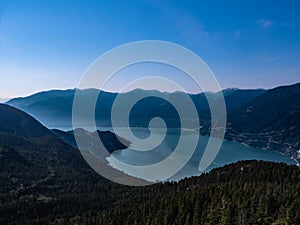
column 49, row 44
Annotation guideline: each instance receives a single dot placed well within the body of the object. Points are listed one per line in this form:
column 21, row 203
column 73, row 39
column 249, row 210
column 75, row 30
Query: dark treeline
column 249, row 192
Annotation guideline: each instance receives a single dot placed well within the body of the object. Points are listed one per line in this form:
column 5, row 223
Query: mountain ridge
column 56, row 111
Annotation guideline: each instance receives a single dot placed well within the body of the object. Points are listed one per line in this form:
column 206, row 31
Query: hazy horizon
column 3, row 100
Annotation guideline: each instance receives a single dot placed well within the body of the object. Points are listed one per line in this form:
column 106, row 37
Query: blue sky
column 49, row 44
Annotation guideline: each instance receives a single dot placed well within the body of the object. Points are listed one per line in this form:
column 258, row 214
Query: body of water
column 229, row 152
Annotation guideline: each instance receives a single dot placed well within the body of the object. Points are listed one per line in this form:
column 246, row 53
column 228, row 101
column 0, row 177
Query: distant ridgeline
column 54, row 108
column 266, row 119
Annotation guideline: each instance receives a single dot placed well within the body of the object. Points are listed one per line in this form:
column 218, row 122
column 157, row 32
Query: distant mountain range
column 54, row 108
column 267, row 119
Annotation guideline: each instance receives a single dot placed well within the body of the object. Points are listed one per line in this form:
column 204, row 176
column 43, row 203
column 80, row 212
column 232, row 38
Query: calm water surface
column 230, row 152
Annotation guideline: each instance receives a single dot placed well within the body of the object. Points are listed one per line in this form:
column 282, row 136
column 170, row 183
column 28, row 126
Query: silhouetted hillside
column 43, row 177
column 18, row 123
column 46, row 181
